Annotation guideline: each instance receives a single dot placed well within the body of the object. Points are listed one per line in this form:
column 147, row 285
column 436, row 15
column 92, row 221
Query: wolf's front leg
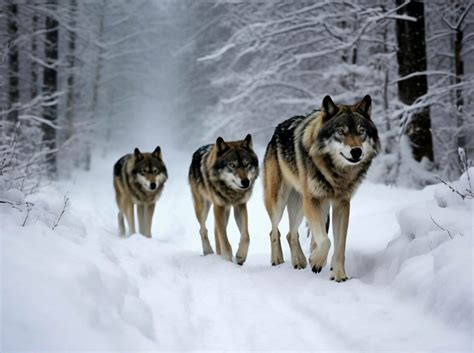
column 141, row 219
column 148, row 219
column 129, row 214
column 314, row 211
column 121, row 223
column 221, row 217
column 241, row 218
column 340, row 215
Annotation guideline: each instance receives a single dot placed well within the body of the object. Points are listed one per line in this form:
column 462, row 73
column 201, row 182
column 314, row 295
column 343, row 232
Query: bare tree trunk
column 411, row 58
column 71, row 58
column 34, row 66
column 459, row 69
column 459, row 72
column 13, row 61
column 50, row 87
column 95, row 91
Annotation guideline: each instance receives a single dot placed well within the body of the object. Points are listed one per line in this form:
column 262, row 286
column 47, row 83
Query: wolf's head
column 236, row 163
column 149, row 169
column 348, row 135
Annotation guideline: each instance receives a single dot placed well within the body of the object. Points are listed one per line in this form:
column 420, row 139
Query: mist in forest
column 85, row 77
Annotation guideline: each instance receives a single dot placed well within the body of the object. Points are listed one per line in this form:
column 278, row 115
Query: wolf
column 223, row 174
column 313, row 162
column 139, row 179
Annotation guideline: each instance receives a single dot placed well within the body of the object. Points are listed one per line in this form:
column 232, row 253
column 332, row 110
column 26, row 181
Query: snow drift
column 82, row 287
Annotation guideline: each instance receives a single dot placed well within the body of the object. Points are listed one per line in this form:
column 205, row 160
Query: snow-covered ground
column 81, row 287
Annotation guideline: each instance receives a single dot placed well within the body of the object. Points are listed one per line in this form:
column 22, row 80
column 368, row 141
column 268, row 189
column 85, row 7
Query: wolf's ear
column 328, row 108
column 157, row 152
column 247, row 142
column 221, row 145
column 138, row 155
column 364, row 106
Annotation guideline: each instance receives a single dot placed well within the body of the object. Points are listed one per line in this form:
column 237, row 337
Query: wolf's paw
column 317, row 261
column 338, row 274
column 240, row 259
column 208, row 251
column 242, row 252
column 277, row 260
column 299, row 262
column 227, row 256
column 277, row 254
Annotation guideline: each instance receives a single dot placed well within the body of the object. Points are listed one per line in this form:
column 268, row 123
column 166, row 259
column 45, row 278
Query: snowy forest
column 84, row 82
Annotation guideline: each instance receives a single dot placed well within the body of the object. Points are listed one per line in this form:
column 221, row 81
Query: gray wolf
column 139, row 179
column 313, row 162
column 223, row 174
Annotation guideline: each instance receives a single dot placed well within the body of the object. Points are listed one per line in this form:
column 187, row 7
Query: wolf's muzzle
column 356, row 153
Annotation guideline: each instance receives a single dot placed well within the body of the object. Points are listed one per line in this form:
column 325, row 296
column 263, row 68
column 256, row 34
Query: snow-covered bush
column 431, row 258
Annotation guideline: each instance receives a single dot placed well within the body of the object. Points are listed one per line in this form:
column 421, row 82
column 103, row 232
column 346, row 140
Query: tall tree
column 97, row 78
column 34, row 65
column 411, row 57
column 458, row 28
column 50, row 86
column 13, row 61
column 71, row 60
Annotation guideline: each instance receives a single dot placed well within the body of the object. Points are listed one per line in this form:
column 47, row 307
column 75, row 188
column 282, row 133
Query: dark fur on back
column 119, row 164
column 195, row 169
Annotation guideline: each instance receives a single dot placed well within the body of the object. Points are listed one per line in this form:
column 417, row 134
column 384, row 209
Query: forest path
column 175, row 298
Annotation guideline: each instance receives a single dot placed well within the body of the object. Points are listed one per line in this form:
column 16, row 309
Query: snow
column 82, row 287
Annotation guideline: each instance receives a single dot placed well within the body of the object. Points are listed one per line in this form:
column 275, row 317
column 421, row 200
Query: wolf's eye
column 340, row 131
column 361, row 130
column 231, row 165
column 246, row 164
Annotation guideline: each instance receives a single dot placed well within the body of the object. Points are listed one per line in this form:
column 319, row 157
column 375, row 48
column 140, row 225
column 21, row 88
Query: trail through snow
column 94, row 290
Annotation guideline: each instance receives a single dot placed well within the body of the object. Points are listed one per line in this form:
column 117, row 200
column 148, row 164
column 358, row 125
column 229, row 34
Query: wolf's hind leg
column 275, row 194
column 201, row 208
column 221, row 217
column 241, row 218
column 295, row 216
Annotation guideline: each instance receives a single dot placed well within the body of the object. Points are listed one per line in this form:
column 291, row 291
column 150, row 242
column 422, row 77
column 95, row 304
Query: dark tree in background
column 50, row 85
column 458, row 28
column 411, row 56
column 13, row 61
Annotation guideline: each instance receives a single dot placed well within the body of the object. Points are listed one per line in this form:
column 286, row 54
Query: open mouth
column 242, row 187
column 354, row 161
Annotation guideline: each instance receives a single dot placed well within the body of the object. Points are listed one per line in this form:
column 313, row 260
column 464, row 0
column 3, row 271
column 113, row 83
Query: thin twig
column 442, row 228
column 63, row 211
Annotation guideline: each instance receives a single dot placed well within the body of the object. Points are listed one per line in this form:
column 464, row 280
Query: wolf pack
column 313, row 164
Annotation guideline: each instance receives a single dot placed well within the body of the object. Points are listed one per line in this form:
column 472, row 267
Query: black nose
column 152, row 186
column 356, row 153
column 245, row 182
